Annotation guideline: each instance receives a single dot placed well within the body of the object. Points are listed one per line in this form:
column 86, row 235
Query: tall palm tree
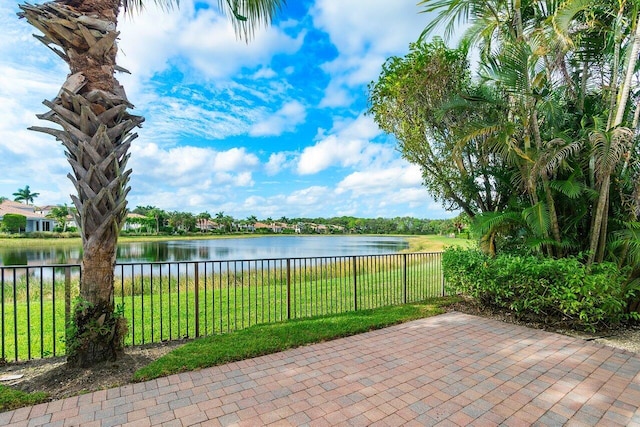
column 202, row 219
column 92, row 109
column 25, row 195
column 60, row 214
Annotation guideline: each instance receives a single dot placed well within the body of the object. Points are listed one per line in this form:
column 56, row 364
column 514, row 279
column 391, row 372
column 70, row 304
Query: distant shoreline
column 417, row 243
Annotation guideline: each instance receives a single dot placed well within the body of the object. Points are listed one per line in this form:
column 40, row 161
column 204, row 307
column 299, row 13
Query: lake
column 215, row 249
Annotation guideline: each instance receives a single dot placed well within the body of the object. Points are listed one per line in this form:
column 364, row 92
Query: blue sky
column 276, row 127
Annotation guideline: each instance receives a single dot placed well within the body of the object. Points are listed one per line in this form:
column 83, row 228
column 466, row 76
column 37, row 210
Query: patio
column 452, row 369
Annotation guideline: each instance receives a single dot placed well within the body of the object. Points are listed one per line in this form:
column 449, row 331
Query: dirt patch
column 54, row 377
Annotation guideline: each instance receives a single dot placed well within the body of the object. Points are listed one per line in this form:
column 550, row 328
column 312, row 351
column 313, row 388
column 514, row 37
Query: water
column 215, row 249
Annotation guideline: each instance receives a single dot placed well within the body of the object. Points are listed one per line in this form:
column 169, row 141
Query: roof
column 10, row 207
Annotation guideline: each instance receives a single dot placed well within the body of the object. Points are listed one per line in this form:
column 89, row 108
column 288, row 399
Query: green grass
column 271, row 338
column 229, row 302
column 436, row 243
column 12, row 399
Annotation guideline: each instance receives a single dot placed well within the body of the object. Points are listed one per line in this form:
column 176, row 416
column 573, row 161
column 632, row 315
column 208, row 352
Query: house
column 274, row 227
column 36, row 220
column 134, row 222
column 209, row 225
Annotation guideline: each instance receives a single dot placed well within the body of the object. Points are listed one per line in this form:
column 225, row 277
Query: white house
column 36, row 220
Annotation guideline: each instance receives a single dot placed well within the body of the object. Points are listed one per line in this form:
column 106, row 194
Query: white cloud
column 309, row 197
column 347, row 145
column 189, row 166
column 377, row 29
column 379, row 181
column 284, row 120
column 234, row 159
column 203, row 37
column 264, row 73
column 276, row 163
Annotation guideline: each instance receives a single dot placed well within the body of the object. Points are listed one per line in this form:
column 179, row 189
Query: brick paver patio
column 449, row 370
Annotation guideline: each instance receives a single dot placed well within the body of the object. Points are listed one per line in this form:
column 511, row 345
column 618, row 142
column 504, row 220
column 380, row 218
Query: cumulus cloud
column 378, row 181
column 187, row 166
column 348, row 144
column 201, row 36
column 277, row 162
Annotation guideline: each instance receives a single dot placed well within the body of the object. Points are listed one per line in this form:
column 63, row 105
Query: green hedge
column 551, row 289
column 14, row 223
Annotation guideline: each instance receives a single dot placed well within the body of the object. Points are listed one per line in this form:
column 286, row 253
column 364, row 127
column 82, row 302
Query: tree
column 420, row 99
column 564, row 72
column 203, row 218
column 182, row 221
column 25, row 195
column 14, row 223
column 92, row 109
column 60, row 214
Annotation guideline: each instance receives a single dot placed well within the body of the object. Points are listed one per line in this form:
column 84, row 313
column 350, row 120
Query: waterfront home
column 36, row 219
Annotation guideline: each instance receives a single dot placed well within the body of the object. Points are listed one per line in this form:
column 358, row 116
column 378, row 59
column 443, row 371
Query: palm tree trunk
column 598, row 219
column 91, row 108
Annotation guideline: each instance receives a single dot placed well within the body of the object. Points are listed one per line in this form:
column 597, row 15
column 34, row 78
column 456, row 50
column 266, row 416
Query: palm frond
column 629, row 239
column 570, row 188
column 494, row 221
column 247, row 15
column 556, row 157
column 564, row 17
column 538, row 219
column 131, row 6
column 609, row 147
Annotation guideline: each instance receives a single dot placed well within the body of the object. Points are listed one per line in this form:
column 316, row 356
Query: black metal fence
column 166, row 301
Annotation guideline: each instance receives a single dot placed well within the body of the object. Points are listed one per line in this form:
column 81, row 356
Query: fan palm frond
column 495, row 221
column 537, row 219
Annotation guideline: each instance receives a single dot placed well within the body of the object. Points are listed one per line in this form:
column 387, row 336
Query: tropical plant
column 562, row 73
column 92, row 110
column 60, row 214
column 14, row 223
column 202, row 219
column 25, row 195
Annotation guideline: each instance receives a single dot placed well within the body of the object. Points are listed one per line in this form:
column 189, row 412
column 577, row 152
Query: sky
column 276, row 127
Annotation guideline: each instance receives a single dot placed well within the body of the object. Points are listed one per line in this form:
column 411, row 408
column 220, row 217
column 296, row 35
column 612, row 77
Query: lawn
column 228, row 297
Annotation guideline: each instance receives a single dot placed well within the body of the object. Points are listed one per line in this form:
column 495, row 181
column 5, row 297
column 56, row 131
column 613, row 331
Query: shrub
column 551, row 289
column 14, row 223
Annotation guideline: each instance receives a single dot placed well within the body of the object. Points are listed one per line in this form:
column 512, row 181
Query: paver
column 453, row 369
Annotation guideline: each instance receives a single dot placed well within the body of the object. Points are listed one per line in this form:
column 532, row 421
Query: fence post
column 196, row 279
column 67, row 297
column 444, row 293
column 355, row 284
column 288, row 288
column 404, row 278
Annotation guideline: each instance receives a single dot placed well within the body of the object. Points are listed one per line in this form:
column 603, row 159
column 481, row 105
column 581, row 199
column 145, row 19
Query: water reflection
column 215, row 249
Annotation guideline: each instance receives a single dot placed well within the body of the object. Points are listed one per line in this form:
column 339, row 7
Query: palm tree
column 60, row 214
column 202, row 219
column 92, row 109
column 157, row 215
column 25, row 195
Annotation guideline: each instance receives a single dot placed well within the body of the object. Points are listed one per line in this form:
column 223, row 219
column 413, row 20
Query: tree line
column 153, row 220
